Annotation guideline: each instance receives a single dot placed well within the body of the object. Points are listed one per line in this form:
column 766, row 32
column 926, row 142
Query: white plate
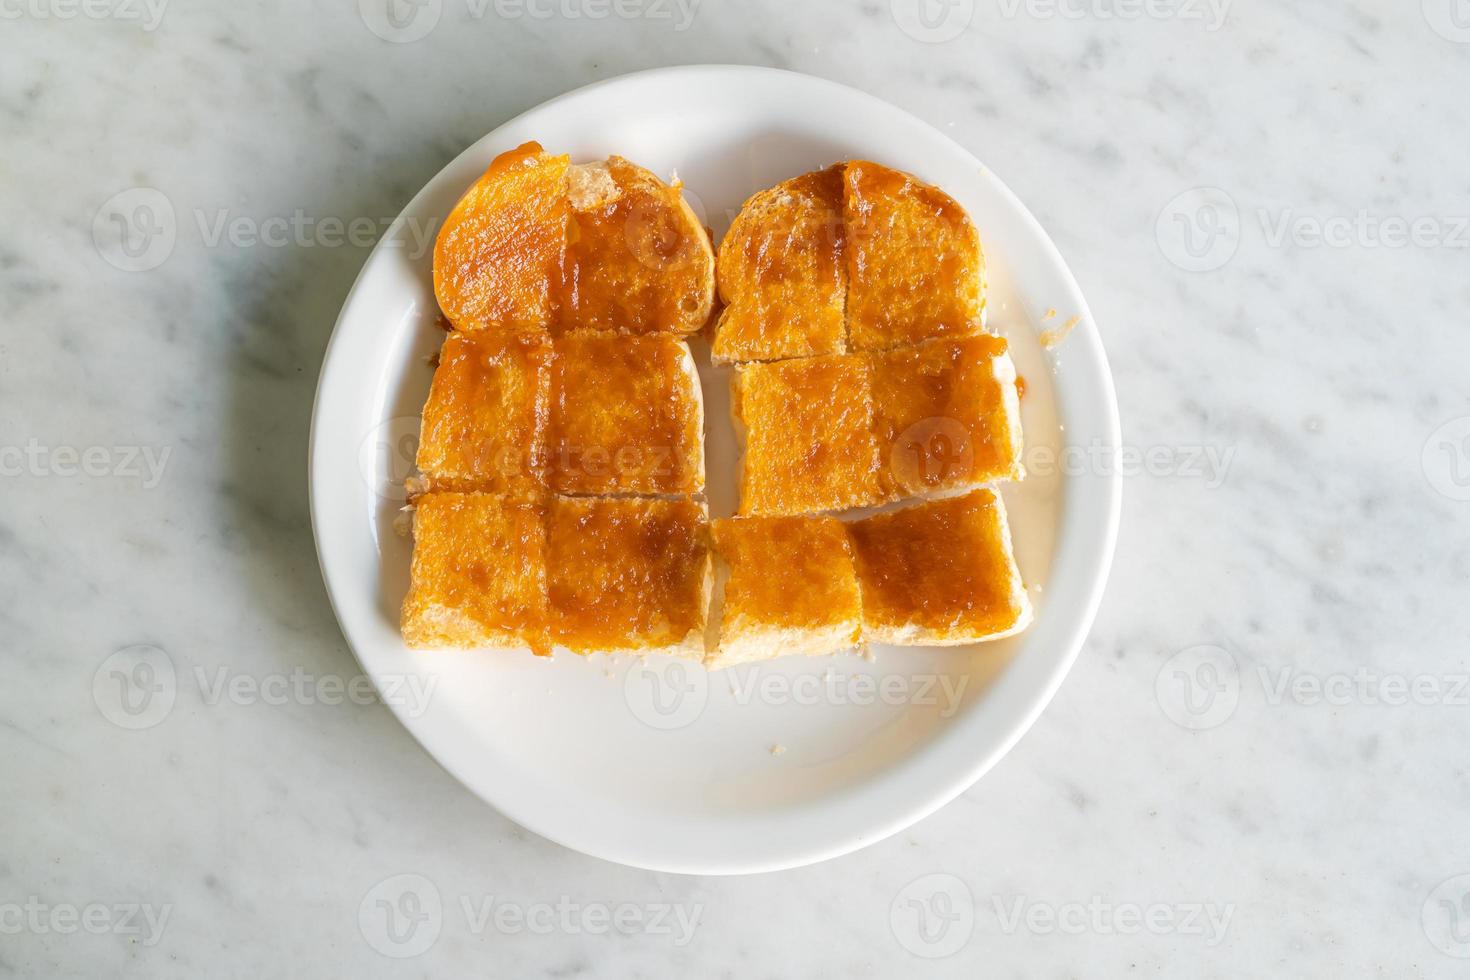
column 660, row 765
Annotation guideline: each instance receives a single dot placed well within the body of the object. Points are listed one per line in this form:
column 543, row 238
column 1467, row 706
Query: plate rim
column 1110, row 488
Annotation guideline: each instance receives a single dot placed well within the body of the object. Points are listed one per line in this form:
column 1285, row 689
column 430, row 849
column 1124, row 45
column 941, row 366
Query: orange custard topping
column 809, row 444
column 940, row 571
column 628, row 575
column 787, row 573
column 625, row 416
column 782, row 273
column 914, row 263
column 485, row 420
column 637, row 259
column 479, row 574
column 942, row 417
column 500, row 249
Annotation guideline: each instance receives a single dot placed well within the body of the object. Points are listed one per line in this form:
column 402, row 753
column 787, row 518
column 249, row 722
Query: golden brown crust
column 625, row 416
column 628, row 575
column 915, row 268
column 939, row 572
column 809, row 444
column 485, row 420
column 637, row 259
column 943, row 412
column 479, row 574
column 500, row 249
column 782, row 274
column 786, row 573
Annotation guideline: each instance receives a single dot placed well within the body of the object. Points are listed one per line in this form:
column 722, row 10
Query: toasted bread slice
column 500, row 250
column 629, row 575
column 637, row 258
column 947, row 415
column 808, row 431
column 485, row 420
column 940, row 573
column 790, row 589
column 782, row 273
column 479, row 574
column 915, row 267
column 627, row 416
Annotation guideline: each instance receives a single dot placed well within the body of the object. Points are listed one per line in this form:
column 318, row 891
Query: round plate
column 656, row 763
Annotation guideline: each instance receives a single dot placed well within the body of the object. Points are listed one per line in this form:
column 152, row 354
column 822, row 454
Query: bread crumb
column 591, row 185
column 403, row 521
column 1052, row 339
column 1050, row 313
column 778, row 749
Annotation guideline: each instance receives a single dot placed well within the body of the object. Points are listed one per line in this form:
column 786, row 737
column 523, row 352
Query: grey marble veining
column 1258, row 765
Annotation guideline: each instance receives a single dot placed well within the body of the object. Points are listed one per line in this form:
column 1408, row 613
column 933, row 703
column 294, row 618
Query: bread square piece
column 637, row 259
column 500, row 249
column 940, row 573
column 915, row 268
column 479, row 574
column 809, row 443
column 782, row 273
column 485, row 421
column 791, row 589
column 629, row 575
column 947, row 415
column 626, row 416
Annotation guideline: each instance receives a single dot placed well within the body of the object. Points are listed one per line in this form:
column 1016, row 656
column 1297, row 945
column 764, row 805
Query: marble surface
column 1258, row 765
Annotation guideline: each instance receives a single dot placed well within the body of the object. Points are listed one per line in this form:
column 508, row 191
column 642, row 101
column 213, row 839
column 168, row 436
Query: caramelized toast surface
column 782, row 273
column 915, row 268
column 500, row 249
column 479, row 574
column 628, row 575
column 484, row 424
column 637, row 258
column 939, row 573
column 809, row 443
column 791, row 588
column 947, row 415
column 626, row 416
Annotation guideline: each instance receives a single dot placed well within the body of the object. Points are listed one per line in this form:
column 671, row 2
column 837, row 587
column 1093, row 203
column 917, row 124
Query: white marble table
column 1258, row 765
